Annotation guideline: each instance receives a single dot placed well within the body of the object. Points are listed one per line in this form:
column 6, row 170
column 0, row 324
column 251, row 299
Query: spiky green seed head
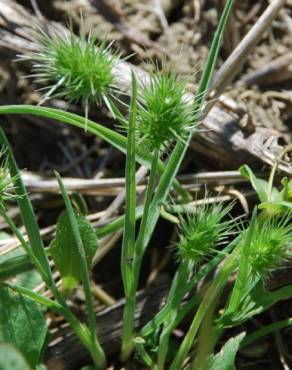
column 201, row 231
column 74, row 67
column 271, row 245
column 165, row 112
column 6, row 182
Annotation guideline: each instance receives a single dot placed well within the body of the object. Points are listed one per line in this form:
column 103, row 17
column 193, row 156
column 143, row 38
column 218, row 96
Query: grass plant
column 161, row 119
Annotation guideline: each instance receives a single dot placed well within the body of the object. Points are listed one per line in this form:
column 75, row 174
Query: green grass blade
column 130, row 208
column 268, row 329
column 117, row 140
column 97, row 352
column 179, row 151
column 14, row 266
column 116, row 224
column 163, row 313
column 27, row 214
column 130, row 224
column 240, row 288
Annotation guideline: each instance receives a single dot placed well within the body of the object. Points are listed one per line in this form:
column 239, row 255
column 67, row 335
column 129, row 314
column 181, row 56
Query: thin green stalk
column 117, row 224
column 173, row 303
column 36, row 248
column 164, row 312
column 268, row 329
column 97, row 352
column 14, row 266
column 240, row 283
column 287, row 149
column 139, row 250
column 130, row 304
column 28, row 217
column 115, row 139
column 36, row 245
column 207, row 338
column 208, row 301
column 180, row 149
column 23, row 243
column 164, row 343
column 129, row 229
column 19, row 264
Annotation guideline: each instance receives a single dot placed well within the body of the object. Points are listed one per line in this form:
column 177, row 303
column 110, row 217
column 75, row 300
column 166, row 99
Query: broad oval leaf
column 11, row 358
column 224, row 360
column 22, row 324
column 64, row 251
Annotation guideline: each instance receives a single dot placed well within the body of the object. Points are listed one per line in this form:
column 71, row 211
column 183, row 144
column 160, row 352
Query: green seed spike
column 201, row 231
column 6, row 182
column 165, row 113
column 271, row 245
column 75, row 68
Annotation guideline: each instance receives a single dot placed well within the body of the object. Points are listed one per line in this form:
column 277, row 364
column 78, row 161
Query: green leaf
column 180, row 149
column 65, row 253
column 286, row 192
column 225, row 359
column 13, row 263
column 260, row 186
column 115, row 139
column 22, row 324
column 130, row 209
column 96, row 350
column 29, row 279
column 242, row 284
column 37, row 250
column 11, row 358
column 257, row 301
column 276, row 206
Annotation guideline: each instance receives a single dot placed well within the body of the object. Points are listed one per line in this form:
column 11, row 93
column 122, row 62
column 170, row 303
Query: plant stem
column 278, row 325
column 287, row 149
column 92, row 344
column 175, row 296
column 162, row 315
column 130, row 304
column 36, row 246
column 96, row 351
column 23, row 242
column 128, row 247
column 209, row 300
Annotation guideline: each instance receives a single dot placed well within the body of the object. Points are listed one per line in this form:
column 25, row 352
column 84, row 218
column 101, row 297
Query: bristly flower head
column 202, row 230
column 165, row 112
column 271, row 245
column 74, row 68
column 6, row 182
